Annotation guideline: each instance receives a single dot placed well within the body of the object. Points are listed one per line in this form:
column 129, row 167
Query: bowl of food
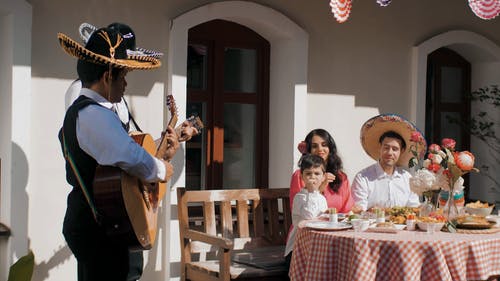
column 431, row 223
column 434, row 226
column 360, row 224
column 478, row 208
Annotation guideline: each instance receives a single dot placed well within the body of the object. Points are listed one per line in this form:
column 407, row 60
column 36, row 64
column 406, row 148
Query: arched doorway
column 228, row 84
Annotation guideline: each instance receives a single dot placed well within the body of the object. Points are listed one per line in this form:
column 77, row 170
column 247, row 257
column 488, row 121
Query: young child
column 309, row 202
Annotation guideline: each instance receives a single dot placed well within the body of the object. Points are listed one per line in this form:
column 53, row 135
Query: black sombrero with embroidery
column 86, row 30
column 372, row 130
column 116, row 57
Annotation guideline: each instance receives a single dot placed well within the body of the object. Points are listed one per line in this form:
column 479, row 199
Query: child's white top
column 306, row 205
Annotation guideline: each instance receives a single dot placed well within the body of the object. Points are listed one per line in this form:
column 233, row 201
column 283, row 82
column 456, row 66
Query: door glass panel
column 197, row 67
column 452, row 130
column 451, row 84
column 240, row 70
column 239, row 145
column 196, row 150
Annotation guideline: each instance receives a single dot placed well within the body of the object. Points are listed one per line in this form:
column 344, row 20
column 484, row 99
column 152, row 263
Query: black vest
column 85, row 164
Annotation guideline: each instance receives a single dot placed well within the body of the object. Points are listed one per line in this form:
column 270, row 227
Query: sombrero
column 378, row 125
column 116, row 57
column 86, row 30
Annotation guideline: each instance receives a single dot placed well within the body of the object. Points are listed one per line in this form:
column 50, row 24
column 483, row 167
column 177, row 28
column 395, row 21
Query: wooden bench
column 241, row 236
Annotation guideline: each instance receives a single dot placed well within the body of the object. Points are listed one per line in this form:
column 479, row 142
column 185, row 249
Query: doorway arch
column 288, row 78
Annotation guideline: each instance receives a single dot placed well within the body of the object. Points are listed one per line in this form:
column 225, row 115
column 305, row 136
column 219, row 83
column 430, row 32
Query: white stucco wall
column 349, row 73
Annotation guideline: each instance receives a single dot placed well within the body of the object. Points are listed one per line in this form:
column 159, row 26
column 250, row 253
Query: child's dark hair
column 311, row 161
column 393, row 135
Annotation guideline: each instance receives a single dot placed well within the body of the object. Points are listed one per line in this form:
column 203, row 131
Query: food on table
column 386, row 224
column 399, row 215
column 432, row 219
column 353, row 216
column 477, row 204
column 478, row 208
column 471, row 220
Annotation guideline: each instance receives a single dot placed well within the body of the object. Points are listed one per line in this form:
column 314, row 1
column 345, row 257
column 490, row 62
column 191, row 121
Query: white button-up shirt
column 98, row 126
column 373, row 187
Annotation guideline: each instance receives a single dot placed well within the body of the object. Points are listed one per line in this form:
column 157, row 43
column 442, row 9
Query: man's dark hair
column 311, row 161
column 90, row 72
column 393, row 135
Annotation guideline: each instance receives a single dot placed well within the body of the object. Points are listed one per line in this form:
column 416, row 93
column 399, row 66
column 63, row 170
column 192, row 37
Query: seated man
column 385, row 184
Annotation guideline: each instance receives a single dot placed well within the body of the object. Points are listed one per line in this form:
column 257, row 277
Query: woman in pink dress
column 335, row 188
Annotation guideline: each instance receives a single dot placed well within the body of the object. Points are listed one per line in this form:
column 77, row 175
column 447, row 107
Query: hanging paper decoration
column 384, row 3
column 341, row 9
column 485, row 9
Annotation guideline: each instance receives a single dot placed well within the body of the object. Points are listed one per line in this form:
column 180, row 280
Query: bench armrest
column 217, row 241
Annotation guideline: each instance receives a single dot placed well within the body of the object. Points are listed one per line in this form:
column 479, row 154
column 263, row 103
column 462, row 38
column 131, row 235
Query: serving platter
column 326, row 225
column 476, row 225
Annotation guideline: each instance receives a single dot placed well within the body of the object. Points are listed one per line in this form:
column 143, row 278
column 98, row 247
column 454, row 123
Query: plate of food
column 326, row 225
column 473, row 222
column 387, row 227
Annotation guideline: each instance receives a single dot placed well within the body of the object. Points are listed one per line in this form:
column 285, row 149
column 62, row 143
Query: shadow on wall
column 20, row 201
column 59, row 257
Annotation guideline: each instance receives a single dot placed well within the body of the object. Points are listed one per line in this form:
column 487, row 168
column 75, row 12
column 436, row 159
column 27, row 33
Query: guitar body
column 129, row 209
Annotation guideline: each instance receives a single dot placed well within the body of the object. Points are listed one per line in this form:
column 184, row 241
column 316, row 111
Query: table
column 406, row 255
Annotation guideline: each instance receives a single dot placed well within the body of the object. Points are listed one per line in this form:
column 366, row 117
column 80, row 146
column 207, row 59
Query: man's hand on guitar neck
column 172, row 143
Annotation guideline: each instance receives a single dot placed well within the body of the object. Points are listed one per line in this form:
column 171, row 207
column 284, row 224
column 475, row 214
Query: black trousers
column 98, row 256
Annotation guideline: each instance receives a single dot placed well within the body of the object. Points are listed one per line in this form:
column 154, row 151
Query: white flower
column 458, row 185
column 442, row 154
column 423, row 180
column 442, row 181
column 437, row 159
column 426, row 163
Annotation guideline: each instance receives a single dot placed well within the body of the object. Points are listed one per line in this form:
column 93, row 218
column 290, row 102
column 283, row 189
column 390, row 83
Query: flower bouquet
column 442, row 169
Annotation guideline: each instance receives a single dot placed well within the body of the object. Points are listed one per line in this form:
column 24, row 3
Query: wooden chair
column 238, row 234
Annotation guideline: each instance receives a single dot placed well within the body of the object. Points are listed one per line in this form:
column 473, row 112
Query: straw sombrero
column 86, row 30
column 116, row 56
column 378, row 125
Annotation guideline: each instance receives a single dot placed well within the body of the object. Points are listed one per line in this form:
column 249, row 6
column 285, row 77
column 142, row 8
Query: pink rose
column 302, row 147
column 464, row 160
column 434, row 148
column 434, row 167
column 448, row 143
column 416, row 137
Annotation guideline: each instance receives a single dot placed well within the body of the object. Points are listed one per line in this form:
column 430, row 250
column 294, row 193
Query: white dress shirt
column 98, row 126
column 306, row 205
column 373, row 187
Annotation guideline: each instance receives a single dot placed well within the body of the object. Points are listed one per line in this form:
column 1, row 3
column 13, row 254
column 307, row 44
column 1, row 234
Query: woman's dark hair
column 333, row 162
column 90, row 72
column 393, row 135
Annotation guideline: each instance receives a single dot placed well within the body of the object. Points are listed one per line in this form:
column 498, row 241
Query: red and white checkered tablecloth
column 406, row 255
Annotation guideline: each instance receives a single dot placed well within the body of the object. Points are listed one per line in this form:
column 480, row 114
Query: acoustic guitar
column 128, row 207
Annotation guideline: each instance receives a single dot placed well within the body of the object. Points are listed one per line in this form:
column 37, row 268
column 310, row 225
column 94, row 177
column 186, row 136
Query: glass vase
column 427, row 207
column 451, row 210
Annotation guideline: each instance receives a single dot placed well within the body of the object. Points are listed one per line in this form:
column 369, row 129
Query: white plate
column 326, row 225
column 395, row 229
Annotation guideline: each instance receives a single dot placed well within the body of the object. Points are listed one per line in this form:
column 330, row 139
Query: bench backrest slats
column 250, row 217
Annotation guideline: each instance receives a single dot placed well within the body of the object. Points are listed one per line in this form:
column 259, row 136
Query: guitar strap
column 85, row 191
